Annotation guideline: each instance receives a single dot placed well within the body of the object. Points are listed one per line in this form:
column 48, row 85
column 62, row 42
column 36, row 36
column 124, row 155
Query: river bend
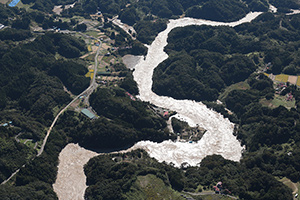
column 218, row 139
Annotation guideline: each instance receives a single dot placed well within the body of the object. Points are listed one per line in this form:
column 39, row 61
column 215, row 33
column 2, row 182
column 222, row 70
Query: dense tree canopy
column 122, row 120
column 31, row 88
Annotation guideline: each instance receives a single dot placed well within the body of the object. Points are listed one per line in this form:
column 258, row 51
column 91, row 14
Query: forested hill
column 34, row 70
column 221, row 10
column 149, row 17
column 205, row 62
column 132, row 11
column 137, row 176
column 216, row 57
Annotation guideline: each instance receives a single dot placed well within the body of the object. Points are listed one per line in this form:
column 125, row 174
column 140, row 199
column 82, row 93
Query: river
column 218, row 139
column 70, row 182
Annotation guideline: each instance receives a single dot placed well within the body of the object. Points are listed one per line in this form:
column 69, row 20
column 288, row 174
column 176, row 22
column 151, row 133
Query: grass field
column 282, row 78
column 294, row 186
column 90, row 57
column 278, row 101
column 237, row 86
column 25, row 6
column 267, row 75
column 92, row 33
column 5, row 1
column 151, row 187
column 28, row 143
column 89, row 48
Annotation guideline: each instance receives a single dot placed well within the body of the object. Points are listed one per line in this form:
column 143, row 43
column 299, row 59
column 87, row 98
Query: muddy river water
column 218, row 139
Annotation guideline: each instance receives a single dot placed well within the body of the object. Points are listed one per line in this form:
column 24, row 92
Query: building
column 1, row 26
column 88, row 113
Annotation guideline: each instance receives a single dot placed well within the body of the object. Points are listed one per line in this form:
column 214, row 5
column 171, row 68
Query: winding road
column 87, row 92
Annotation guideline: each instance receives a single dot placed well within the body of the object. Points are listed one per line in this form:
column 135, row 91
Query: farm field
column 5, row 1
column 90, row 73
column 282, row 78
column 286, row 78
column 151, row 187
column 278, row 101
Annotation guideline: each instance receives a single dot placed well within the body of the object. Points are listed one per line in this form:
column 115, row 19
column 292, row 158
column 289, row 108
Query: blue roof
column 88, row 113
column 13, row 3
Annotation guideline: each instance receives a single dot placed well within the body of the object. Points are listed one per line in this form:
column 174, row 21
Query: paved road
column 87, row 92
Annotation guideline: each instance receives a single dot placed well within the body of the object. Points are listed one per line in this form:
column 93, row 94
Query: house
column 88, row 113
column 131, row 97
column 289, row 97
column 218, row 188
column 166, row 114
column 1, row 26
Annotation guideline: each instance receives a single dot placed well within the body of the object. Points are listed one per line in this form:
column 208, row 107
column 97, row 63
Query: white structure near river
column 217, row 140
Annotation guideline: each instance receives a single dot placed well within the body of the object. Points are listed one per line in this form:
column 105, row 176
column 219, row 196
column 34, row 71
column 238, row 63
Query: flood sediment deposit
column 71, row 181
column 218, row 139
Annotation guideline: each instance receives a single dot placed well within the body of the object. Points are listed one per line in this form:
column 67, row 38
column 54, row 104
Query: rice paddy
column 90, row 73
column 282, row 78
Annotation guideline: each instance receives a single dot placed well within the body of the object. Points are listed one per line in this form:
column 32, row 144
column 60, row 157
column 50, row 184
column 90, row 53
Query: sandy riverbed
column 131, row 61
column 70, row 183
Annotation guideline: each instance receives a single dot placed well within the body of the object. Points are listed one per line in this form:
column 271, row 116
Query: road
column 208, row 193
column 123, row 26
column 87, row 92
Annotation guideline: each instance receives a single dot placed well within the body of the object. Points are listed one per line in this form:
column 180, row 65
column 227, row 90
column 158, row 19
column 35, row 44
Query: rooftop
column 88, row 113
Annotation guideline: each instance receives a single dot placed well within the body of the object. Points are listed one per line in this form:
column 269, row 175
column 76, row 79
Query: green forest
column 146, row 15
column 204, row 62
column 116, row 177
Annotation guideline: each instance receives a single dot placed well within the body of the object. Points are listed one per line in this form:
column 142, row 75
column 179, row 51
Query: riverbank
column 217, row 140
column 70, row 183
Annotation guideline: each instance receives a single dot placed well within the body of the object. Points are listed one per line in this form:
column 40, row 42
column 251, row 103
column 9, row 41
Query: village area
column 109, row 73
column 282, row 97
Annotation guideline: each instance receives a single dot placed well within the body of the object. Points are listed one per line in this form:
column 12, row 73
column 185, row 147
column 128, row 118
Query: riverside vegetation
column 33, row 73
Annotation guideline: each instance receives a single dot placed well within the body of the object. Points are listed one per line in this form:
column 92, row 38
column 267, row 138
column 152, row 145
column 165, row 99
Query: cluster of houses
column 267, row 67
column 10, row 123
column 280, row 87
